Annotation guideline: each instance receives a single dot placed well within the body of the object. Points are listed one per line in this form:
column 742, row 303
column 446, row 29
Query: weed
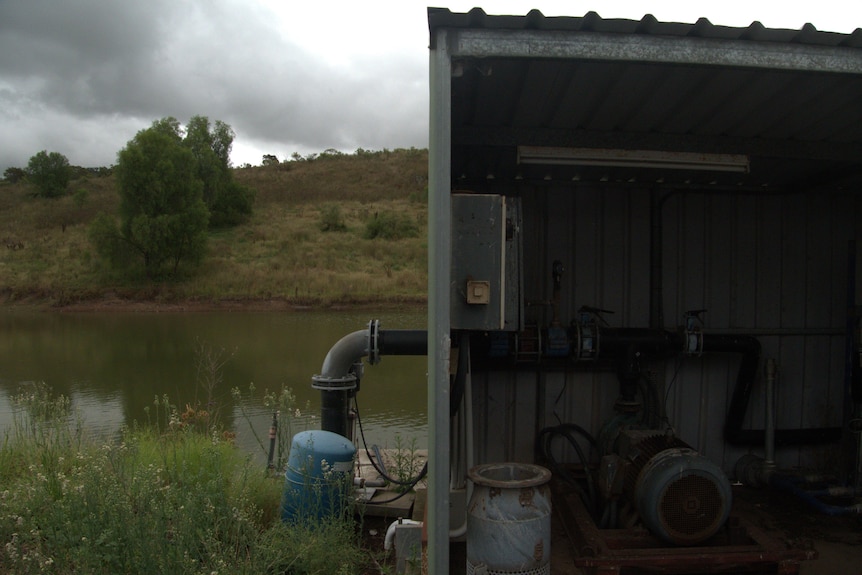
column 406, row 462
column 210, row 363
column 152, row 499
column 287, row 419
column 331, row 219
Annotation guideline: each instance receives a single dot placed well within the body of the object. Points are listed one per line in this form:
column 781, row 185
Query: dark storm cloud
column 81, row 77
column 77, row 56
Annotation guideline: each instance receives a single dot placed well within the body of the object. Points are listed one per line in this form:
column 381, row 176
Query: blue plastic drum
column 319, row 476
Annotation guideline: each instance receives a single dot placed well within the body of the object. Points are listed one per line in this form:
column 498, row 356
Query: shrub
column 14, row 175
column 331, row 219
column 390, row 226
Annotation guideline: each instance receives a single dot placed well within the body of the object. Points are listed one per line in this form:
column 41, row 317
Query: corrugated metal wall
column 771, row 265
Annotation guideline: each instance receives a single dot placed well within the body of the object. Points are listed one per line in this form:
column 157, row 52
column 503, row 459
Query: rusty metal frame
column 742, row 547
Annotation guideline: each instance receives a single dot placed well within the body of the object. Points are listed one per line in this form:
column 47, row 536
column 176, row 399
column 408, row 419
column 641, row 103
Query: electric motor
column 681, row 496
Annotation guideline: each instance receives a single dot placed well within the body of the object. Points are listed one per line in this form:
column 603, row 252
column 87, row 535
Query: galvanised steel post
column 439, row 256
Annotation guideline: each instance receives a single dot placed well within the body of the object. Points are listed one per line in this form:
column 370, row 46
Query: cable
column 406, row 491
column 411, row 483
column 669, row 387
column 559, row 395
column 543, row 447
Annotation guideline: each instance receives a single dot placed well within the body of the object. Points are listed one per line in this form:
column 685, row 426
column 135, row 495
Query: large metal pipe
column 341, row 370
column 339, row 360
column 335, row 412
column 337, row 380
column 655, row 343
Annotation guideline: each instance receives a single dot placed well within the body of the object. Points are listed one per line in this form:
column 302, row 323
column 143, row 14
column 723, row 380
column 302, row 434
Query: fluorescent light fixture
column 632, row 159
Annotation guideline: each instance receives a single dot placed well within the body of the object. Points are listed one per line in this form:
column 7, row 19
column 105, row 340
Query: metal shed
column 653, row 170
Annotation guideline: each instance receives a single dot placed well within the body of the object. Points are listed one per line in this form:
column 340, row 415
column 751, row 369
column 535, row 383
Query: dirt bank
column 116, row 304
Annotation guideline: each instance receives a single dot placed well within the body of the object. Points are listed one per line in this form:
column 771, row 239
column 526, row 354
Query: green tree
column 49, row 174
column 14, row 175
column 229, row 203
column 163, row 216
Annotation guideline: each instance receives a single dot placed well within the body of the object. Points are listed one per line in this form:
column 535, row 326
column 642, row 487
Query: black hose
column 543, row 449
column 411, row 483
column 750, row 349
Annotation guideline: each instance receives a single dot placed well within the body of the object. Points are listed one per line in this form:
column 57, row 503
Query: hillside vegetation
column 334, row 230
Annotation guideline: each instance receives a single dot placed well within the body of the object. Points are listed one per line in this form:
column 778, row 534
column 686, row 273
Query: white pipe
column 361, row 482
column 390, row 532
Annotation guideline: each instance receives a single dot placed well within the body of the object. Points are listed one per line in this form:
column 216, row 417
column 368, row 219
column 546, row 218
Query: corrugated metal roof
column 789, row 99
column 648, row 25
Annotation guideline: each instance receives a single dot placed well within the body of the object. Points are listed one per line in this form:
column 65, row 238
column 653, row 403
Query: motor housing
column 681, row 496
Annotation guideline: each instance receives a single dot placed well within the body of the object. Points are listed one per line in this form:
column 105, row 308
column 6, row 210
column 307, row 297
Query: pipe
column 371, row 343
column 273, row 433
column 769, row 433
column 338, row 376
column 656, row 303
column 390, row 531
column 750, row 349
column 402, row 342
column 790, row 484
column 656, row 343
column 459, row 382
column 620, row 343
column 852, row 447
column 361, row 482
column 334, row 405
column 467, row 394
column 340, row 358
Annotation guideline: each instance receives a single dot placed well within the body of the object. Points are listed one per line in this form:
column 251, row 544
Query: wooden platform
column 388, row 501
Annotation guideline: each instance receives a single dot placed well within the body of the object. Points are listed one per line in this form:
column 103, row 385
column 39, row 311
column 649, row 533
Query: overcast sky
column 81, row 77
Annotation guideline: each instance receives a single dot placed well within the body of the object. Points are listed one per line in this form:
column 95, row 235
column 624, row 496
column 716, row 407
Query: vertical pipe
column 656, row 311
column 769, row 434
column 333, row 411
column 852, row 397
column 439, row 256
column 273, row 434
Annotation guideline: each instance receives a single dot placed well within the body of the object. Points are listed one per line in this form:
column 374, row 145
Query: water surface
column 113, row 365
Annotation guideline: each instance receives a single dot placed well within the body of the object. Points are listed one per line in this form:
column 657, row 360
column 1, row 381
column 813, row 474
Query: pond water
column 113, row 365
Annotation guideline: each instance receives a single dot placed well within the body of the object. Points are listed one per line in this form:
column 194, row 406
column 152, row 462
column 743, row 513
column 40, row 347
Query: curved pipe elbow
column 348, row 350
column 372, row 343
column 390, row 532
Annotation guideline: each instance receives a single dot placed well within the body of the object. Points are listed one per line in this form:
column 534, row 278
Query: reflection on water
column 113, row 366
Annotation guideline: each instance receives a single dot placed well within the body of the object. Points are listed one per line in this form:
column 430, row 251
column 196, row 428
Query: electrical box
column 486, row 263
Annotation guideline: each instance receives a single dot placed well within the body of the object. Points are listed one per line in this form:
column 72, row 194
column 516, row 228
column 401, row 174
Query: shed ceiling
column 791, row 100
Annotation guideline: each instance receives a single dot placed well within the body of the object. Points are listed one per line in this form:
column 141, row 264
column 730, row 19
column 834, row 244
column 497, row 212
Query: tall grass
column 161, row 498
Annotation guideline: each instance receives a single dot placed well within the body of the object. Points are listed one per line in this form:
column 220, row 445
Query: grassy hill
column 307, row 243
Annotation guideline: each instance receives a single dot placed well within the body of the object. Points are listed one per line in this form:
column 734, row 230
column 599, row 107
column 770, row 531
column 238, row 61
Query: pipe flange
column 324, row 383
column 374, row 342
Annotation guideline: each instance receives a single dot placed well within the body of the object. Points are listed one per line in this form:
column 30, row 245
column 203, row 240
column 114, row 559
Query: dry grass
column 279, row 253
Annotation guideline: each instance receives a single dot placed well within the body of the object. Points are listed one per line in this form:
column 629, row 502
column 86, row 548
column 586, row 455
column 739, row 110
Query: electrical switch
column 478, row 292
